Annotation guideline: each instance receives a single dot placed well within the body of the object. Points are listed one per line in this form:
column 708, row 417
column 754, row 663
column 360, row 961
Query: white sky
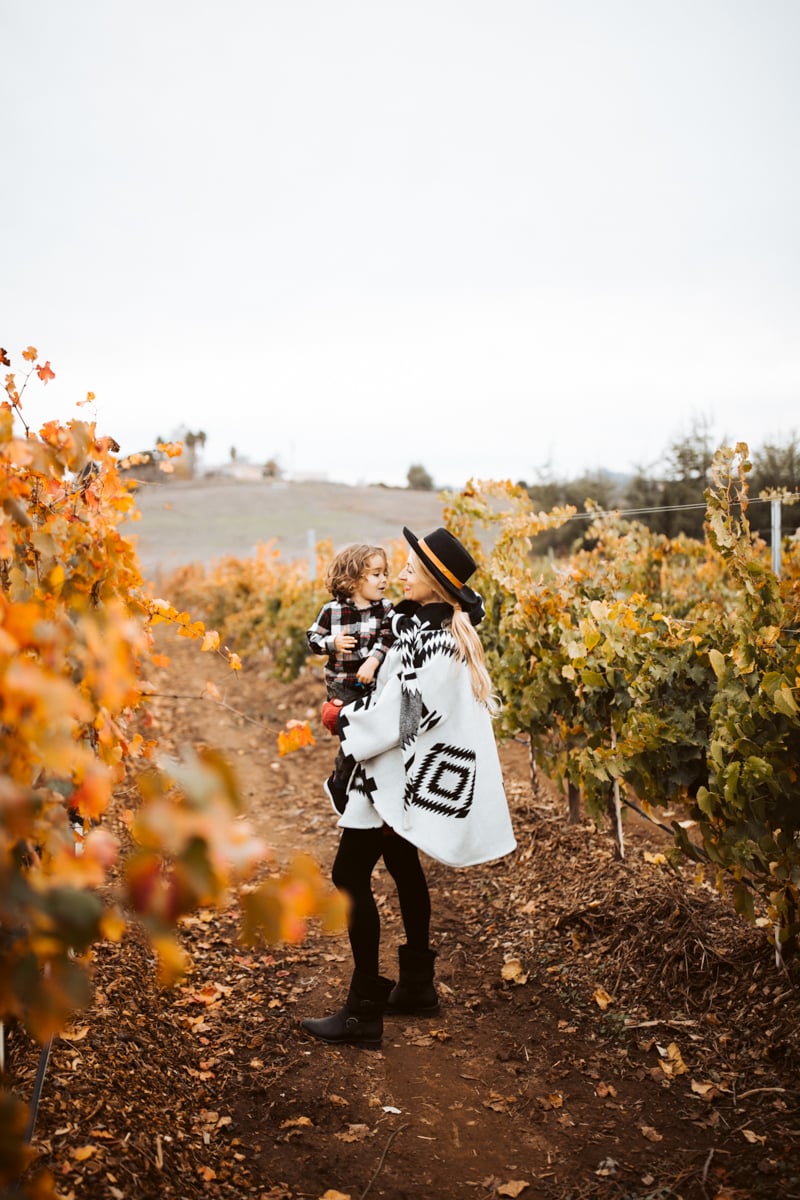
column 355, row 235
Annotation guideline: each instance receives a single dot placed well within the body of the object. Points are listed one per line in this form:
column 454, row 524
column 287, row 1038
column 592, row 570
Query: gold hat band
column 438, row 563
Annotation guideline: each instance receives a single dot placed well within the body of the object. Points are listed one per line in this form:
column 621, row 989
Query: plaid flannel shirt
column 371, row 627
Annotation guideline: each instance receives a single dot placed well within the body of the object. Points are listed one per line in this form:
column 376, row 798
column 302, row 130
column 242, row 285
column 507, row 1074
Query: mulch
column 609, row 1029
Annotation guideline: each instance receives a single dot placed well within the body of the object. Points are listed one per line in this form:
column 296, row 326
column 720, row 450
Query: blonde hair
column 349, row 566
column 468, row 644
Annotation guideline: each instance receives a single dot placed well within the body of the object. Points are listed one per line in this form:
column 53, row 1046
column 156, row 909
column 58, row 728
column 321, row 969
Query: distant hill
column 205, row 519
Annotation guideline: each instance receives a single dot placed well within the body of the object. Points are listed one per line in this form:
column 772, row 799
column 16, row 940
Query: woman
column 426, row 777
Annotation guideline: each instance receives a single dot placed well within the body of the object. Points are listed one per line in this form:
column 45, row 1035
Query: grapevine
column 76, row 644
column 667, row 669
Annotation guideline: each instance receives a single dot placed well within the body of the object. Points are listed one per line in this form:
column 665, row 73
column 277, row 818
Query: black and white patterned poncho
column 426, row 758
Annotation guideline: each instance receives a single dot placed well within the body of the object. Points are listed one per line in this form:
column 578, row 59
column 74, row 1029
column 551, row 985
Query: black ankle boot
column 415, row 995
column 360, row 1022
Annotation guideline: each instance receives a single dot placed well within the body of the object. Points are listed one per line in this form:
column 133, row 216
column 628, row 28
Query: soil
column 608, row 1028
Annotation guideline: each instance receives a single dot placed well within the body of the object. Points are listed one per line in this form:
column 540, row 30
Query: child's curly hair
column 348, row 567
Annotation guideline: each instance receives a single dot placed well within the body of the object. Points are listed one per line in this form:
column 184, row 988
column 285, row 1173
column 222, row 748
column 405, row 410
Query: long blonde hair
column 468, row 644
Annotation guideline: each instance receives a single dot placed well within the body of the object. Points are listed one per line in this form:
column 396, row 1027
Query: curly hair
column 349, row 566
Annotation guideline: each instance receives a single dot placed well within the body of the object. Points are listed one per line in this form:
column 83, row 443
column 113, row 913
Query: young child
column 354, row 631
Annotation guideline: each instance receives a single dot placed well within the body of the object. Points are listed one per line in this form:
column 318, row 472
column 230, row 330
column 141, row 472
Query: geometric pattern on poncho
column 445, row 781
column 361, row 782
column 427, row 645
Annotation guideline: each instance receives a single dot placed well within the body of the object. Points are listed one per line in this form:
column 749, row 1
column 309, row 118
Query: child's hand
column 344, row 641
column 366, row 672
column 330, row 715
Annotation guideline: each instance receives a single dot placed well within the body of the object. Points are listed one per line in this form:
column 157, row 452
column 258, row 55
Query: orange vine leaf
column 46, row 373
column 296, row 735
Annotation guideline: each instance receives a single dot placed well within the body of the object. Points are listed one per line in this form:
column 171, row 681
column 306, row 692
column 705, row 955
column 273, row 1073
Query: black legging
column 359, row 851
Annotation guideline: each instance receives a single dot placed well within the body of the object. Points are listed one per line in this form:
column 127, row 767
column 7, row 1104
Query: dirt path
column 607, row 1031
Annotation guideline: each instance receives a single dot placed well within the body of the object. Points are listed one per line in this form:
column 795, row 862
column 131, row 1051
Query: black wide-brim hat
column 448, row 562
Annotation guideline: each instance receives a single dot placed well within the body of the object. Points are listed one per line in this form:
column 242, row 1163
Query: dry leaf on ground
column 354, row 1133
column 512, row 972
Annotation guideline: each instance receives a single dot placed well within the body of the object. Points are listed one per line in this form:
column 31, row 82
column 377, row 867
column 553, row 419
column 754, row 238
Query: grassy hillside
column 202, row 520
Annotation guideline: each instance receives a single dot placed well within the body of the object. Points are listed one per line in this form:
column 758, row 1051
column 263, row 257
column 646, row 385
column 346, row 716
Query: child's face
column 373, row 581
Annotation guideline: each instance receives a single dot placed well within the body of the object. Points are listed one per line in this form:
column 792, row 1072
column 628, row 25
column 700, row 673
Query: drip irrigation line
column 33, row 1108
column 699, row 849
column 647, row 817
column 38, row 1085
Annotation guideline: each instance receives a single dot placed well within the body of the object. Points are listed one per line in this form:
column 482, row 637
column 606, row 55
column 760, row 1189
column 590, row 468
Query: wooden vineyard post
column 615, row 806
column 574, row 800
column 534, row 770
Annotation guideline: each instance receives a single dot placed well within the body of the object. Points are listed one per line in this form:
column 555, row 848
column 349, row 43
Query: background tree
column 598, row 489
column 774, row 467
column 419, row 479
column 272, row 469
column 192, row 441
column 679, row 485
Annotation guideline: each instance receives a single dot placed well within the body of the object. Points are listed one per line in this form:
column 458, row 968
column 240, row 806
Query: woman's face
column 415, row 588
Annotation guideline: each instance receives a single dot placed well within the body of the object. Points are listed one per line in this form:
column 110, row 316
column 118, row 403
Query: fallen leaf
column 753, row 1138
column 605, row 1089
column 354, row 1133
column 332, row 1194
column 83, row 1152
column 651, row 1134
column 554, row 1100
column 602, row 998
column 707, row 1091
column 512, row 972
column 513, row 1187
column 296, row 1122
column 672, row 1063
column 499, row 1103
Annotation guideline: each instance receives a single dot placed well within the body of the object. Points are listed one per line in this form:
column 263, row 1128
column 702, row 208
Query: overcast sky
column 356, row 235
